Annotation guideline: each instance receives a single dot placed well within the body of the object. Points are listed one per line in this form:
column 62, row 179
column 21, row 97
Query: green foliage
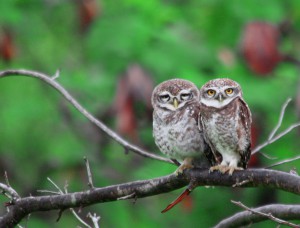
column 41, row 135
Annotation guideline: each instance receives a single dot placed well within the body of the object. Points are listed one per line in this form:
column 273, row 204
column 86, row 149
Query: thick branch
column 286, row 212
column 51, row 81
column 140, row 189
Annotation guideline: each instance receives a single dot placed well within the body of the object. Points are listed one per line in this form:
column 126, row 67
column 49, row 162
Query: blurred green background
column 111, row 54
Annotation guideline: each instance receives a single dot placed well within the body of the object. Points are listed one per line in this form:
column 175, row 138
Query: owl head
column 174, row 94
column 219, row 92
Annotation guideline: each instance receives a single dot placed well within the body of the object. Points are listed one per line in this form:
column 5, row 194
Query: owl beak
column 220, row 98
column 175, row 102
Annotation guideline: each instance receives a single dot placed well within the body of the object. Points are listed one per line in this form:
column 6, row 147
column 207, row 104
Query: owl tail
column 177, row 200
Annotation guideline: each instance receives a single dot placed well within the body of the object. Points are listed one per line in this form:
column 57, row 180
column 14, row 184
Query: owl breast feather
column 178, row 138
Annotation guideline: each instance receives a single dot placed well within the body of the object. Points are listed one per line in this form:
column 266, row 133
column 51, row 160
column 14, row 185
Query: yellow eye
column 229, row 91
column 210, row 92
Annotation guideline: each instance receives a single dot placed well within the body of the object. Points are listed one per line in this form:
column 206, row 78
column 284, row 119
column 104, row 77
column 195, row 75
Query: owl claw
column 232, row 169
column 224, row 169
column 182, row 167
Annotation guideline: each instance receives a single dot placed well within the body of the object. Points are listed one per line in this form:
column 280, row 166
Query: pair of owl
column 209, row 127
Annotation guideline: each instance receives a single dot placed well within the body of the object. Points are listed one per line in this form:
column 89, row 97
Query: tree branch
column 51, row 81
column 267, row 215
column 250, row 178
column 286, row 212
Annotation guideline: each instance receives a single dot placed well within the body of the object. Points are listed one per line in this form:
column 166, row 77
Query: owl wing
column 210, row 152
column 195, row 114
column 245, row 121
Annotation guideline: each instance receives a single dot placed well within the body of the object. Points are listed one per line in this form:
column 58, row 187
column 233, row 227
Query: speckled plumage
column 226, row 122
column 175, row 129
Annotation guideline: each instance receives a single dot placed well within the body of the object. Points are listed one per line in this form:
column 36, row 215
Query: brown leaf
column 140, row 84
column 260, row 47
column 7, row 46
column 88, row 10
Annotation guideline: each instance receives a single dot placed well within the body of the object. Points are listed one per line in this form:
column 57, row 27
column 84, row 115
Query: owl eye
column 229, row 91
column 211, row 92
column 186, row 96
column 164, row 98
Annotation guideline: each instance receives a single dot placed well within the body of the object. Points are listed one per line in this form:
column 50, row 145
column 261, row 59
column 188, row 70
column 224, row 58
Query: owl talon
column 182, row 167
column 232, row 169
column 220, row 168
column 224, row 169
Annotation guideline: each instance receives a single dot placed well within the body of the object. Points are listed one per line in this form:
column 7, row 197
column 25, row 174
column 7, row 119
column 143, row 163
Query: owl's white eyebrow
column 164, row 93
column 185, row 91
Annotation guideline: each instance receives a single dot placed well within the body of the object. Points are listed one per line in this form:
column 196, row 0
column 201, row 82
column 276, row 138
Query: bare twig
column 56, row 186
column 89, row 173
column 6, row 179
column 283, row 162
column 282, row 112
column 95, row 219
column 267, row 156
column 79, row 219
column 272, row 138
column 50, row 80
column 27, row 219
column 56, row 75
column 259, row 147
column 267, row 215
column 60, row 192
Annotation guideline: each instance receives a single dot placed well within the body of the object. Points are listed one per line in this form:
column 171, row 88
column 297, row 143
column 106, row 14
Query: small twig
column 283, row 162
column 60, row 214
column 176, row 162
column 56, row 186
column 89, row 173
column 259, row 147
column 60, row 192
column 6, row 179
column 267, row 156
column 95, row 219
column 56, row 75
column 79, row 219
column 27, row 219
column 269, row 215
column 272, row 138
column 282, row 112
column 293, row 171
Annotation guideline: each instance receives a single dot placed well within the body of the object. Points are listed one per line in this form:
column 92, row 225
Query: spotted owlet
column 175, row 123
column 226, row 122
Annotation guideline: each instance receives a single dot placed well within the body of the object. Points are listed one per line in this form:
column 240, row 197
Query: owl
column 175, row 123
column 226, row 121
